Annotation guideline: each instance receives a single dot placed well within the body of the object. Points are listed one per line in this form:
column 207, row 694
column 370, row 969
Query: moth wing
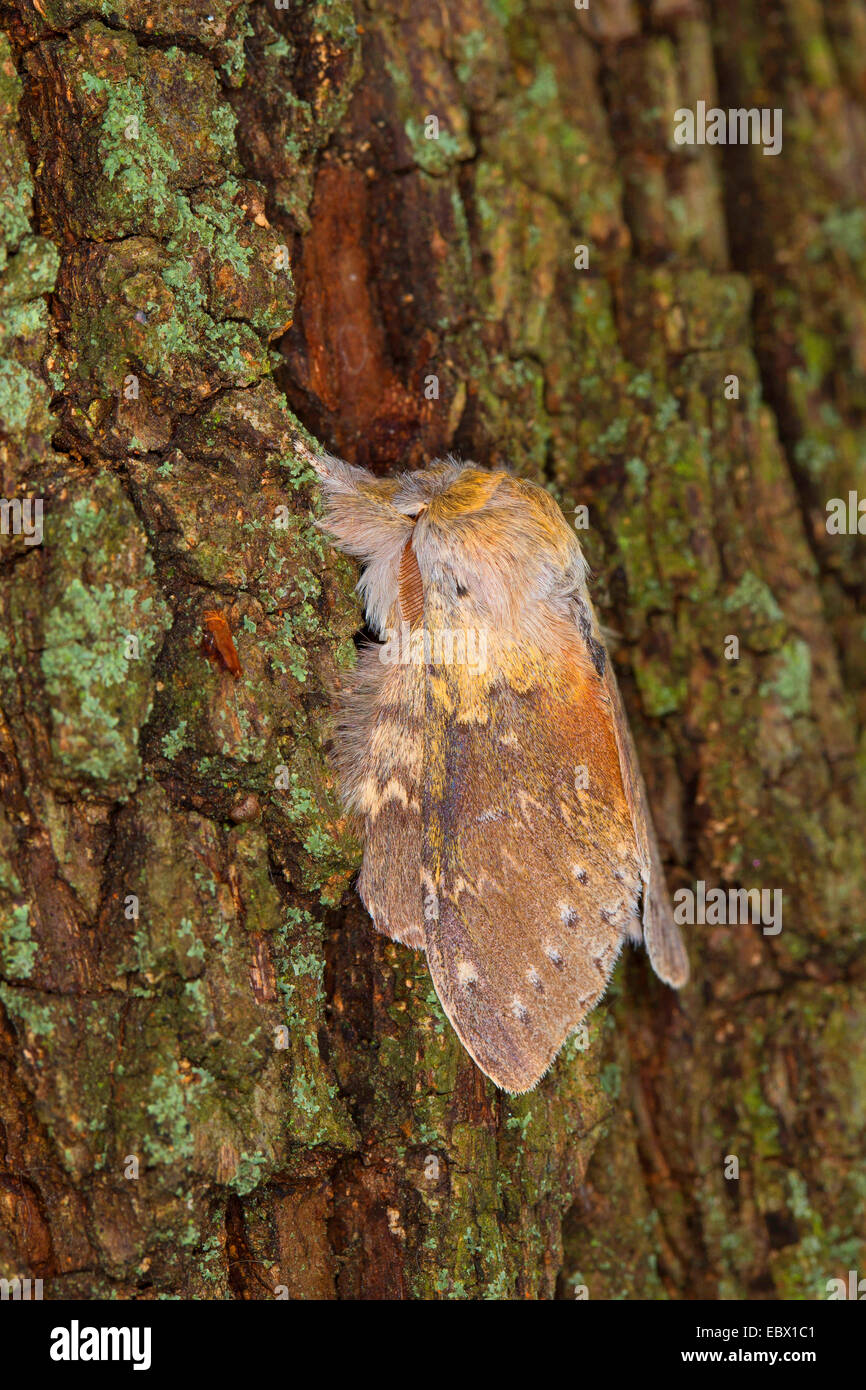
column 531, row 880
column 379, row 758
column 662, row 936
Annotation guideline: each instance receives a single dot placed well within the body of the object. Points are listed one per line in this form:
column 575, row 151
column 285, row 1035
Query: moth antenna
column 410, row 587
column 337, row 475
column 358, row 511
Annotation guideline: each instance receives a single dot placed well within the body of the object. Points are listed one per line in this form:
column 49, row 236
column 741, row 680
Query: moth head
column 492, row 544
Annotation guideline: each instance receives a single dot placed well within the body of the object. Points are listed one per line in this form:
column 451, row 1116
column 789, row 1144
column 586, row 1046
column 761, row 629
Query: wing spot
column 567, row 914
column 430, row 900
column 535, row 979
column 554, row 955
column 373, row 796
column 519, row 1010
column 467, row 974
column 580, row 873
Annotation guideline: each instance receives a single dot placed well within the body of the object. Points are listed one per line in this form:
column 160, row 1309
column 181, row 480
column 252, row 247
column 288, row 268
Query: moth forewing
column 532, row 878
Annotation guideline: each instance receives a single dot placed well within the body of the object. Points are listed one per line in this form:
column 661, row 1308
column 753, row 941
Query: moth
column 484, row 747
column 218, row 643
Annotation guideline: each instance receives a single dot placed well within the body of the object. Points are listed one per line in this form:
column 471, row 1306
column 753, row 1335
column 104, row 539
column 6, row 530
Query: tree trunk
column 227, row 225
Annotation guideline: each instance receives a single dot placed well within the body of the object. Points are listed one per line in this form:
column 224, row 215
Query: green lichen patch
column 17, row 947
column 177, row 281
column 23, row 401
column 756, row 613
column 428, row 111
column 31, row 272
column 153, row 324
column 205, row 23
column 16, row 184
column 100, row 635
column 26, row 273
column 133, row 109
column 316, row 1114
column 295, row 106
column 789, row 680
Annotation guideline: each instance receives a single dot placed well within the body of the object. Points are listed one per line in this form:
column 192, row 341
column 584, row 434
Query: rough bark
column 368, row 1157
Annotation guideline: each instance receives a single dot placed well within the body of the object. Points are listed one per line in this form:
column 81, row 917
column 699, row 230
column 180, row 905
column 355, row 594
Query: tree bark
column 230, row 230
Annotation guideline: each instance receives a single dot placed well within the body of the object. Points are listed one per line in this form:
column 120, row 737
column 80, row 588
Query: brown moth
column 485, row 748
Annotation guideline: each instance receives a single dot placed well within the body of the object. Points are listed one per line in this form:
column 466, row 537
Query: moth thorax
column 410, row 589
